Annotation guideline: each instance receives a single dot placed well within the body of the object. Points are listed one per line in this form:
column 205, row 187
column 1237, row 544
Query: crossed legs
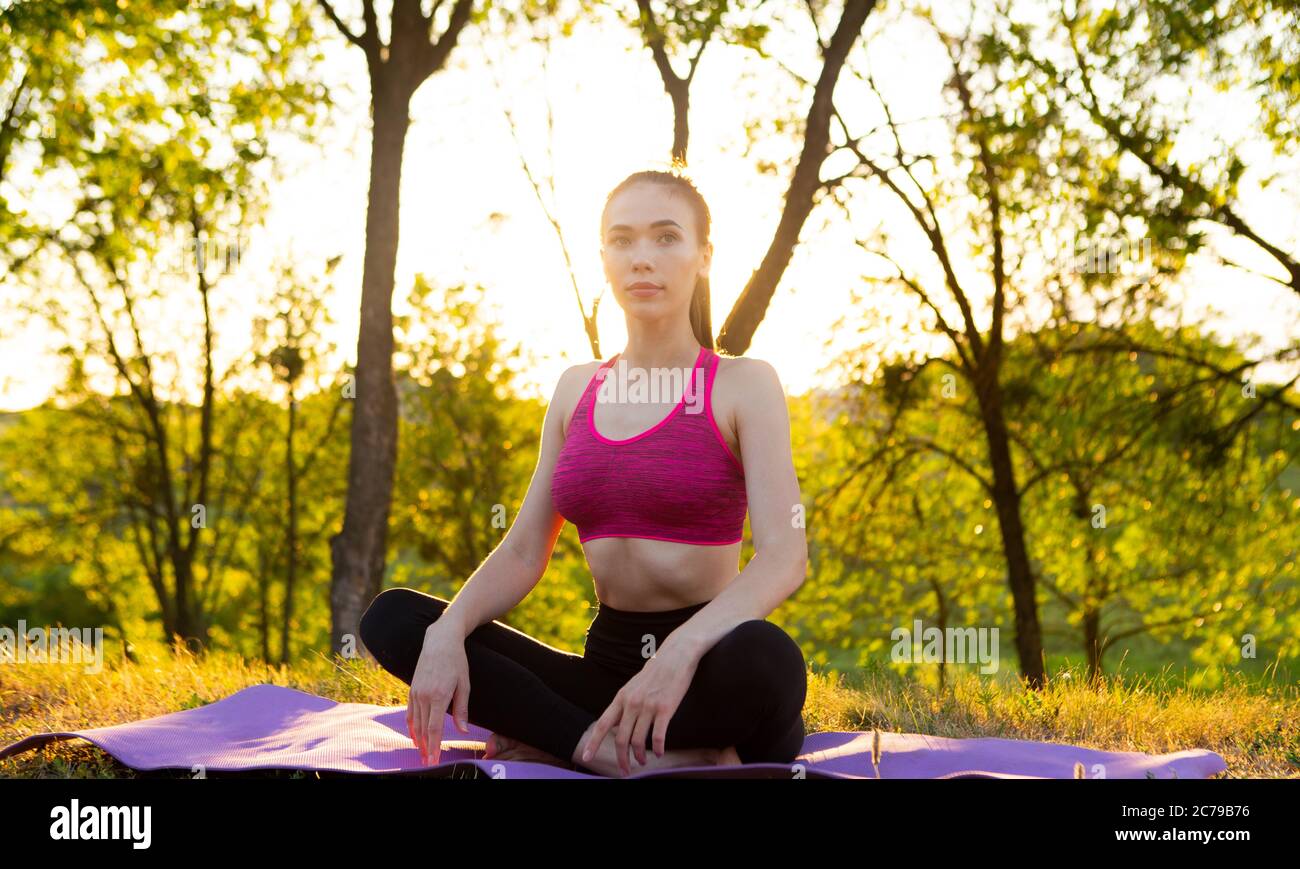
column 748, row 690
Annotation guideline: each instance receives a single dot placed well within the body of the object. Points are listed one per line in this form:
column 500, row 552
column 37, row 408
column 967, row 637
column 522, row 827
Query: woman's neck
column 679, row 354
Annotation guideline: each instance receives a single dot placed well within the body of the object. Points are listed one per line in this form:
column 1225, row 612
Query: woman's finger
column 460, row 706
column 417, row 719
column 643, row 723
column 660, row 733
column 603, row 723
column 437, row 718
column 623, row 737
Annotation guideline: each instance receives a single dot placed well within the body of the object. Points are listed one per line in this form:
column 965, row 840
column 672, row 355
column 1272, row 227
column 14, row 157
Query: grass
column 1255, row 725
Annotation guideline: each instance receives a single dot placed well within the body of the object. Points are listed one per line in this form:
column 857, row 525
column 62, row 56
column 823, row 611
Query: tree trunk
column 263, row 600
column 740, row 325
column 943, row 630
column 680, row 94
column 1006, row 499
column 358, row 551
column 292, row 571
column 1092, row 643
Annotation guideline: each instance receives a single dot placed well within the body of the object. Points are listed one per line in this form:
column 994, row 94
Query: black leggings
column 748, row 690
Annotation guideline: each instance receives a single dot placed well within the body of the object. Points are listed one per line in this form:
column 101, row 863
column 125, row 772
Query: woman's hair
column 701, row 319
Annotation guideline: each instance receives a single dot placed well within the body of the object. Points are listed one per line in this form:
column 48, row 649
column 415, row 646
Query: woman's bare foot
column 729, row 756
column 500, row 747
column 605, row 761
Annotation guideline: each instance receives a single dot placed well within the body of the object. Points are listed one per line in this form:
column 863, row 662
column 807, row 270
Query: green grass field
column 1252, row 719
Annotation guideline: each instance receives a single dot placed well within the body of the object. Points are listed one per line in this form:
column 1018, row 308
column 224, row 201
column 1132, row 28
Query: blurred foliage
column 1133, row 514
column 1195, row 543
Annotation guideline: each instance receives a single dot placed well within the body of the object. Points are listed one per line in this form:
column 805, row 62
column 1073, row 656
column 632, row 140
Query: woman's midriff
column 637, row 574
column 622, row 641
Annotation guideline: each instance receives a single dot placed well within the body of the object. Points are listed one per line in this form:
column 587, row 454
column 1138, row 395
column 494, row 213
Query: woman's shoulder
column 581, row 370
column 570, row 387
column 743, row 386
column 748, row 375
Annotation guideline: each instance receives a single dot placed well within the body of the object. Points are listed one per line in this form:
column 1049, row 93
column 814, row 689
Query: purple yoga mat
column 273, row 727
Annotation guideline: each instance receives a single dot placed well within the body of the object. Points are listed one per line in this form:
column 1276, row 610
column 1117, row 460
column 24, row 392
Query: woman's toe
column 496, row 743
column 729, row 756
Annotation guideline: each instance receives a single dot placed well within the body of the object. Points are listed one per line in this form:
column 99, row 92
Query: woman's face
column 649, row 236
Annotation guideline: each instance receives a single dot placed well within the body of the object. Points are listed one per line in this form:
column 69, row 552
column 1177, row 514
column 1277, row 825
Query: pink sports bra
column 677, row 481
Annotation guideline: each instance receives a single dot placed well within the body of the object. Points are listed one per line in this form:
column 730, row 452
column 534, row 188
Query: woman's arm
column 519, row 561
column 772, row 488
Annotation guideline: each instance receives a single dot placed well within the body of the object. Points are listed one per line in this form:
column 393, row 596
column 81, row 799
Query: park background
column 1028, row 272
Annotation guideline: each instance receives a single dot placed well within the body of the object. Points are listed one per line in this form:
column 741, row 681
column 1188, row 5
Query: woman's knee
column 763, row 654
column 787, row 747
column 387, row 612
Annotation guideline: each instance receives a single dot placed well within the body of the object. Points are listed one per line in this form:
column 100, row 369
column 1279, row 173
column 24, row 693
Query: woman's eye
column 671, row 235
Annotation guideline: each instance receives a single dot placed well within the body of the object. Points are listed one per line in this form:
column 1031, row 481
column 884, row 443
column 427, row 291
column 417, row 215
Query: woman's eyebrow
column 619, row 226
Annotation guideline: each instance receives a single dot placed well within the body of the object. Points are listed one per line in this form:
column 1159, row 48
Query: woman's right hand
column 441, row 681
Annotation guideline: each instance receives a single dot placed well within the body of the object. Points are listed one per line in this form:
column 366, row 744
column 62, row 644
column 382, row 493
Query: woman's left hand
column 647, row 700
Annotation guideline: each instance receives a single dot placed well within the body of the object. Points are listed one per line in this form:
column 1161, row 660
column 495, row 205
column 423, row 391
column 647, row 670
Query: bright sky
column 468, row 212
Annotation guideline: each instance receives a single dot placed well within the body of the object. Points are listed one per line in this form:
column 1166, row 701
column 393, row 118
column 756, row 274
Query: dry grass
column 37, row 698
column 1256, row 729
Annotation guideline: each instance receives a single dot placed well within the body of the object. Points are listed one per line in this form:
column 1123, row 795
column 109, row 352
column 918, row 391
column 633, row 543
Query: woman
column 680, row 666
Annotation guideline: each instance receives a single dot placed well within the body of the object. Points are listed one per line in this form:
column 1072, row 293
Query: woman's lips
column 644, row 292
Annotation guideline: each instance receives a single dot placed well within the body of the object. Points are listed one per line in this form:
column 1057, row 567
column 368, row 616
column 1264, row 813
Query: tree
column 396, row 68
column 1136, row 507
column 990, row 158
column 167, row 147
column 1116, row 63
column 295, row 350
column 543, row 36
column 805, row 182
column 683, row 24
